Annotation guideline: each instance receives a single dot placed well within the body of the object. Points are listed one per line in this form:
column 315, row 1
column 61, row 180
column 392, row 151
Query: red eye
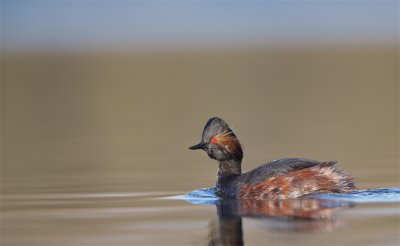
column 213, row 140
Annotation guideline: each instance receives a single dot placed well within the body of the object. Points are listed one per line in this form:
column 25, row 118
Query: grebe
column 279, row 179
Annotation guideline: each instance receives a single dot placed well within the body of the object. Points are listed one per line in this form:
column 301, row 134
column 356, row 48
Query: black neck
column 230, row 168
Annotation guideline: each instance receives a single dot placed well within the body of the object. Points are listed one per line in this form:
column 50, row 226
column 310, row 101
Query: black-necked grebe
column 279, row 179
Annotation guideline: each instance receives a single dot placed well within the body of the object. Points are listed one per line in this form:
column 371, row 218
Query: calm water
column 94, row 146
column 367, row 217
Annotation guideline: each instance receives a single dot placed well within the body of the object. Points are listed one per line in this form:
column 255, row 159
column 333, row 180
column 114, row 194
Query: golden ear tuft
column 228, row 141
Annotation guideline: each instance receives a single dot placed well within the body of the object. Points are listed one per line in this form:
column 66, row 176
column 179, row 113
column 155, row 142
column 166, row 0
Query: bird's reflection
column 279, row 215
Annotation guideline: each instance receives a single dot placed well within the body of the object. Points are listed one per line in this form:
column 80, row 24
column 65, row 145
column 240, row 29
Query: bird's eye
column 213, row 140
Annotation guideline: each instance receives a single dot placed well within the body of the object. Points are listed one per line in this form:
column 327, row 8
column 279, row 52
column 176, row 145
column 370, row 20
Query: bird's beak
column 198, row 146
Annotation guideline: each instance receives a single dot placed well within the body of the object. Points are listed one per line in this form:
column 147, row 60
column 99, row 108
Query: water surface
column 367, row 217
column 94, row 144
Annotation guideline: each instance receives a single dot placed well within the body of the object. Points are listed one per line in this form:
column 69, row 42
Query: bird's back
column 290, row 178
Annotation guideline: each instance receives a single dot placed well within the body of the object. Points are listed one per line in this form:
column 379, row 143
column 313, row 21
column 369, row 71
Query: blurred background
column 106, row 96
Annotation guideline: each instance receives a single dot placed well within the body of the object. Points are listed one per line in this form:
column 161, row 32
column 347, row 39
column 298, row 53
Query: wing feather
column 280, row 167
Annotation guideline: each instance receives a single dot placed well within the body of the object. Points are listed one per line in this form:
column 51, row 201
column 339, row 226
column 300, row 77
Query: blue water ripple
column 390, row 194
